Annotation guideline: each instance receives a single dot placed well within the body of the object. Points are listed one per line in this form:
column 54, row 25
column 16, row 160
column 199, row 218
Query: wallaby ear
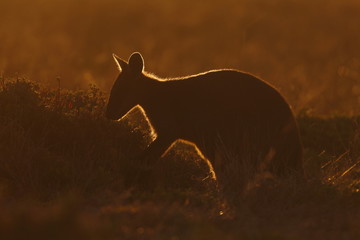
column 122, row 65
column 136, row 63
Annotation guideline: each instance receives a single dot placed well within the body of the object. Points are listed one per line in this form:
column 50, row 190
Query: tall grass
column 66, row 172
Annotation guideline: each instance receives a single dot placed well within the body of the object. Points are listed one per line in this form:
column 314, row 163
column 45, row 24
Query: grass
column 68, row 173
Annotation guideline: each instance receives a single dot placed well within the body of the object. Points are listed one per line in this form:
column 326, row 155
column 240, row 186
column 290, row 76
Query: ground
column 68, row 173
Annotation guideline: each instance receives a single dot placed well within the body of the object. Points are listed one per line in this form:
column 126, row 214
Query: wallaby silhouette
column 217, row 109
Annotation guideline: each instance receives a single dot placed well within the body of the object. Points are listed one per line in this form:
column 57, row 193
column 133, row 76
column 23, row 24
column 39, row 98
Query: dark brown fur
column 225, row 108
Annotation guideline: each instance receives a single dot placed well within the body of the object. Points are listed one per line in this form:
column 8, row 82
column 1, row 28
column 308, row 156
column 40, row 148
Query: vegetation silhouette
column 221, row 111
column 64, row 171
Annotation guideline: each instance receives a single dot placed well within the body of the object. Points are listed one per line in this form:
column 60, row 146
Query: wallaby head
column 122, row 93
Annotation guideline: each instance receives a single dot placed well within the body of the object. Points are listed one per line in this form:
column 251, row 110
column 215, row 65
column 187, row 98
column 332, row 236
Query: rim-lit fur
column 245, row 113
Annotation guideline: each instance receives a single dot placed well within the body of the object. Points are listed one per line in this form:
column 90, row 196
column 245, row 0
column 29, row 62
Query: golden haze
column 308, row 49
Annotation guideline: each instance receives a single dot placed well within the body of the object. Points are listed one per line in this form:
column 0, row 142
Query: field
column 66, row 172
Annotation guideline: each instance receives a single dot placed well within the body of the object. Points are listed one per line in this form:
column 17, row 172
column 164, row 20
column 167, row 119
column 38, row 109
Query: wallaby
column 217, row 110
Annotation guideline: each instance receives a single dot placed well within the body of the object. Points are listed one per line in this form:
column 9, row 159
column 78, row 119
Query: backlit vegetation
column 66, row 169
